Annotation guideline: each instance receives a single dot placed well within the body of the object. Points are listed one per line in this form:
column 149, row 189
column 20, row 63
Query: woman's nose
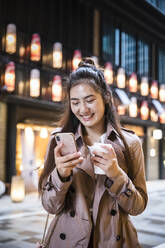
column 83, row 108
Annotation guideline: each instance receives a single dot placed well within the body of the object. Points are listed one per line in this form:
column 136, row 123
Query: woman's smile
column 87, row 105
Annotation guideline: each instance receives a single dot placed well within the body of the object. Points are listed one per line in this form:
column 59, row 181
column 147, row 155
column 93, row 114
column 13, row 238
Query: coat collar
column 87, row 165
column 109, row 133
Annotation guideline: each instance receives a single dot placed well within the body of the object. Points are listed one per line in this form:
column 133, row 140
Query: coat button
column 113, row 212
column 72, row 213
column 108, row 182
column 117, row 237
column 62, row 236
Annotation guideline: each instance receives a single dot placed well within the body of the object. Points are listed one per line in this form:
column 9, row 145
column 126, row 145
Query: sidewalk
column 22, row 224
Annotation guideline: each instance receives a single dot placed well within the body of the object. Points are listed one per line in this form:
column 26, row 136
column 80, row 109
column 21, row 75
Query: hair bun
column 87, row 62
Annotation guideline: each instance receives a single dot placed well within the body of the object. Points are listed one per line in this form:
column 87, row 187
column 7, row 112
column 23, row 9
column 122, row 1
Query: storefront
column 36, row 53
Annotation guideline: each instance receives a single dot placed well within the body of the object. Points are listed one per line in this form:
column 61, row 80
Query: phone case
column 69, row 144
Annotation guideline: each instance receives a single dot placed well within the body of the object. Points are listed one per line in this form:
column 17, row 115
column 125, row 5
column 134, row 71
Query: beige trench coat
column 110, row 201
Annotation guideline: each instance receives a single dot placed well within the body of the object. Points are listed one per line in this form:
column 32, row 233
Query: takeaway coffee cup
column 98, row 147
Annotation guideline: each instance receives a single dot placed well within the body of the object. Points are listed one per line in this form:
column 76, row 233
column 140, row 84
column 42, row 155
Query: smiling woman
column 96, row 188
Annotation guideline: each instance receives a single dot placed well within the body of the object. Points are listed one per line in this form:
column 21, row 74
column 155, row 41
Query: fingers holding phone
column 66, row 155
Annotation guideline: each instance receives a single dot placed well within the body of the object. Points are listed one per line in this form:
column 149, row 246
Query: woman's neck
column 92, row 135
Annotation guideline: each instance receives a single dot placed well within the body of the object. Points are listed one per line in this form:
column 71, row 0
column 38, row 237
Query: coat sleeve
column 131, row 194
column 54, row 190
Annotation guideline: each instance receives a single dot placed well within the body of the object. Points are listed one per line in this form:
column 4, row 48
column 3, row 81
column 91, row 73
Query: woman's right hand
column 65, row 164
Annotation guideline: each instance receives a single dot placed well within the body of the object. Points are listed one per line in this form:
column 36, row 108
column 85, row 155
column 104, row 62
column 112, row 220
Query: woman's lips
column 87, row 117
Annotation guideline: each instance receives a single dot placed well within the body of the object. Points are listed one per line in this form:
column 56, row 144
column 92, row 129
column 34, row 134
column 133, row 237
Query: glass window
column 161, row 62
column 143, row 58
column 128, row 52
column 110, row 43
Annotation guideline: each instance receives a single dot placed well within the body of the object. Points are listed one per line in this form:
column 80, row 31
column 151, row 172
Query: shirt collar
column 110, row 131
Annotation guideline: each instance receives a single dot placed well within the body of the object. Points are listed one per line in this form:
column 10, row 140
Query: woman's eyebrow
column 84, row 97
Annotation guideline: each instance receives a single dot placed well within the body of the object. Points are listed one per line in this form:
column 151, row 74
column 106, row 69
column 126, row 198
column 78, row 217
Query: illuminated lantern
column 144, row 111
column 43, row 133
column 154, row 89
column 108, row 73
column 57, row 89
column 162, row 93
column 121, row 109
column 154, row 115
column 11, row 38
column 17, row 193
column 34, row 83
column 57, row 55
column 22, row 51
column 35, row 48
column 10, row 76
column 162, row 118
column 133, row 83
column 144, row 87
column 133, row 110
column 76, row 59
column 121, row 78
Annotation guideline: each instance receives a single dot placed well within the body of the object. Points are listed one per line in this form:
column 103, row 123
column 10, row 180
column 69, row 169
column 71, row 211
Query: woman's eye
column 90, row 101
column 75, row 103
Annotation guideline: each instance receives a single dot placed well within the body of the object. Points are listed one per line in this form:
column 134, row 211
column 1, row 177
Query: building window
column 160, row 4
column 143, row 58
column 161, row 61
column 128, row 52
column 110, row 43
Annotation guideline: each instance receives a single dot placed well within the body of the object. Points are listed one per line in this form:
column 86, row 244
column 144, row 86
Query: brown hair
column 88, row 73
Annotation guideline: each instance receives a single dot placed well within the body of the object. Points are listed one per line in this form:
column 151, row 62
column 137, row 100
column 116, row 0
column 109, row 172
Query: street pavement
column 22, row 224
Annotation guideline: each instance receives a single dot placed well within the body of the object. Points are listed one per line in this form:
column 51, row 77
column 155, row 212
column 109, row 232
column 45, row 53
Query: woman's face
column 87, row 105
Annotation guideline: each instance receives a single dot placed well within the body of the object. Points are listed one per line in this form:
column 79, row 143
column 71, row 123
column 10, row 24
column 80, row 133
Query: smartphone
column 69, row 143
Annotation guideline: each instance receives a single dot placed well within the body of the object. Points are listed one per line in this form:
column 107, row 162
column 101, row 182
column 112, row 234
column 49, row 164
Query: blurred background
column 41, row 42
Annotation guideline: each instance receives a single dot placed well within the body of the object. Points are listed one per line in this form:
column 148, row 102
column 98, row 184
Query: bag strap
column 46, row 242
column 45, row 228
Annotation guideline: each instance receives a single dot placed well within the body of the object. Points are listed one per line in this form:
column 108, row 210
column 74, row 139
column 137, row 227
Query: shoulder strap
column 45, row 228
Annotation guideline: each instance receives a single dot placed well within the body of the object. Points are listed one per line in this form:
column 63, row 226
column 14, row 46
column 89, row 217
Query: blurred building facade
column 42, row 41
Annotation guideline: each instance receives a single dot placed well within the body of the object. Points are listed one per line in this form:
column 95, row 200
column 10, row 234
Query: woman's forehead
column 82, row 90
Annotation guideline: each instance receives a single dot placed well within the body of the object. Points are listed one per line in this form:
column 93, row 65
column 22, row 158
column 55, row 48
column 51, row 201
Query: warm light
column 21, row 168
column 162, row 118
column 154, row 89
column 152, row 152
column 121, row 78
column 144, row 110
column 133, row 83
column 76, row 59
column 34, row 83
column 157, row 134
column 108, row 73
column 28, row 132
column 35, row 49
column 133, row 107
column 57, row 89
column 162, row 93
column 10, row 76
column 57, row 55
column 121, row 109
column 153, row 115
column 17, row 189
column 22, row 51
column 20, row 88
column 144, row 87
column 11, row 38
column 43, row 133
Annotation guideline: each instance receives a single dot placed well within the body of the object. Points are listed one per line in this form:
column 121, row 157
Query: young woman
column 93, row 194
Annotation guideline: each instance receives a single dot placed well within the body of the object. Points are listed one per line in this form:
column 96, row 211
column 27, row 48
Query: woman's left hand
column 107, row 160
